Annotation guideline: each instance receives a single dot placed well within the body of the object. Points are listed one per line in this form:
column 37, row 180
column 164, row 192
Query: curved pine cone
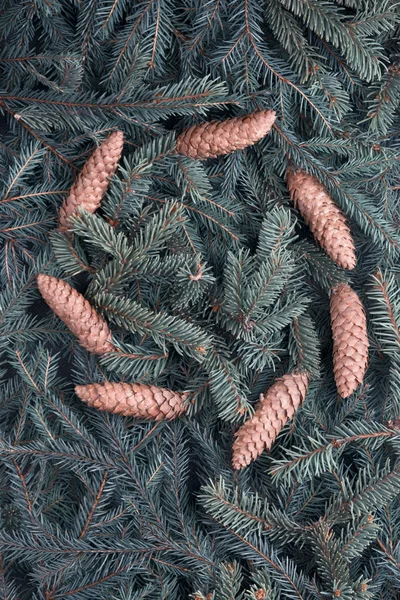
column 214, row 138
column 325, row 219
column 275, row 407
column 134, row 400
column 92, row 182
column 76, row 312
column 350, row 339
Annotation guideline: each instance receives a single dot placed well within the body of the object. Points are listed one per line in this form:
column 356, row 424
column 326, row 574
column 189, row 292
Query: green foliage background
column 211, row 284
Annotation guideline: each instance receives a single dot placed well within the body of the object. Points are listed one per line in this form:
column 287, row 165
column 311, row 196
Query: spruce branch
column 163, row 328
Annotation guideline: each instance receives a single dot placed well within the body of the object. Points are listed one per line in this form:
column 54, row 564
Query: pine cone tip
column 41, row 278
column 83, row 392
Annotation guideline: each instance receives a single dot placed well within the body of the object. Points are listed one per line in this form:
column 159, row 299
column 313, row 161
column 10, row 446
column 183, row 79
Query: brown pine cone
column 76, row 312
column 350, row 339
column 133, row 400
column 393, row 424
column 211, row 139
column 92, row 182
column 275, row 407
column 325, row 219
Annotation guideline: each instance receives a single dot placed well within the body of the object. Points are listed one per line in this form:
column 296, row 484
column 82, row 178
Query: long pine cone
column 350, row 339
column 214, row 138
column 92, row 182
column 75, row 311
column 325, row 219
column 276, row 406
column 134, row 400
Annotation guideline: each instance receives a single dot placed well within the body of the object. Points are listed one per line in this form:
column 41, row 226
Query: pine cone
column 350, row 339
column 211, row 139
column 133, row 400
column 393, row 424
column 92, row 182
column 76, row 312
column 325, row 219
column 275, row 407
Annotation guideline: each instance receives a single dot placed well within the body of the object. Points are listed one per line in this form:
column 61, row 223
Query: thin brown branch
column 94, row 506
column 268, row 66
column 383, row 289
column 38, row 137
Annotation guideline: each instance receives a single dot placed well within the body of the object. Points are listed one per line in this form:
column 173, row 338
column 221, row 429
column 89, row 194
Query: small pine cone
column 211, row 139
column 134, row 400
column 76, row 312
column 393, row 424
column 325, row 219
column 275, row 407
column 92, row 182
column 350, row 339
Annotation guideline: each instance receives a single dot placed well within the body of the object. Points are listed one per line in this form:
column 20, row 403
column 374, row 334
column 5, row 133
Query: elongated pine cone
column 76, row 312
column 350, row 339
column 211, row 139
column 93, row 180
column 134, row 400
column 275, row 407
column 325, row 219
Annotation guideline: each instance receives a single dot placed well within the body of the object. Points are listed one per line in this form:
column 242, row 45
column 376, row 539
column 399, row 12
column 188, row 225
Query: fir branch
column 384, row 101
column 210, row 279
column 162, row 327
column 202, row 94
column 319, row 457
column 358, row 536
column 247, row 514
column 384, row 294
column 333, row 566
